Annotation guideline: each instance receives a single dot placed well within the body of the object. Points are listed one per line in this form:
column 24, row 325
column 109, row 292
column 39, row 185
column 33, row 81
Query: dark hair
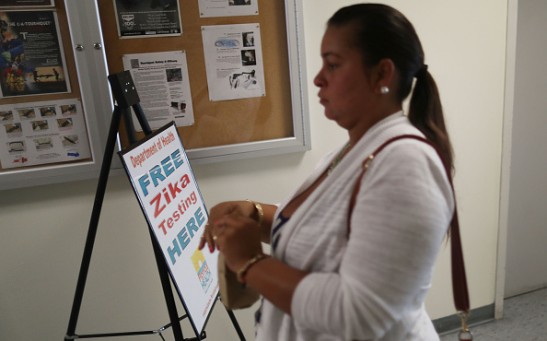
column 383, row 32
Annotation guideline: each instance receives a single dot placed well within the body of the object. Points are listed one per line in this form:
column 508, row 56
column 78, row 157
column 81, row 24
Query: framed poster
column 169, row 196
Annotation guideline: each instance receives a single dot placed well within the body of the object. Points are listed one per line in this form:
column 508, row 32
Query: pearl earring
column 384, row 90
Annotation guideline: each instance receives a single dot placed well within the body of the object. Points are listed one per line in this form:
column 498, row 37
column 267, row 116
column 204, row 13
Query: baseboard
column 476, row 316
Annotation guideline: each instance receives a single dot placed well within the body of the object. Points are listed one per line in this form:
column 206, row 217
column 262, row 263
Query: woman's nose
column 319, row 81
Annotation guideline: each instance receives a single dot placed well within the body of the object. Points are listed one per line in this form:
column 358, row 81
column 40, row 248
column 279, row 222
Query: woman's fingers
column 221, row 215
column 238, row 238
column 207, row 239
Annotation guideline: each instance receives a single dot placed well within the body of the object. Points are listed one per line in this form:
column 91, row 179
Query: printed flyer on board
column 162, row 81
column 227, row 8
column 32, row 61
column 148, row 19
column 27, row 3
column 168, row 193
column 42, row 133
column 233, row 61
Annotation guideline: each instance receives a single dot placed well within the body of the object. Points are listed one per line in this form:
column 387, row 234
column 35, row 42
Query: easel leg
column 167, row 291
column 94, row 221
column 236, row 324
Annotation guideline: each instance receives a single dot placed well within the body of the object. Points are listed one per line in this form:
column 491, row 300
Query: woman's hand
column 238, row 238
column 242, row 208
column 233, row 228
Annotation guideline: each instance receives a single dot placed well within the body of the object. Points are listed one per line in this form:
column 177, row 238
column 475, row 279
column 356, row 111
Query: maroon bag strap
column 459, row 279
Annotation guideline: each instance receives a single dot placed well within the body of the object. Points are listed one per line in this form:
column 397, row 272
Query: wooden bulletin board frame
column 235, row 129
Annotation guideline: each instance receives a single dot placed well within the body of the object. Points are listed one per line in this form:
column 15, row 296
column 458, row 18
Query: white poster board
column 169, row 196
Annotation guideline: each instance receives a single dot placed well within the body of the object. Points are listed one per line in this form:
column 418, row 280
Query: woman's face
column 344, row 86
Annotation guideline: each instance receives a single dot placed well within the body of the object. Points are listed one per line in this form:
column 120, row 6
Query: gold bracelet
column 259, row 210
column 243, row 271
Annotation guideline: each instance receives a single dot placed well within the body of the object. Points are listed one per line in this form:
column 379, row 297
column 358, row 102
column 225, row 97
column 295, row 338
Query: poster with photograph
column 42, row 133
column 233, row 61
column 27, row 3
column 32, row 61
column 148, row 18
column 227, row 8
column 169, row 196
column 161, row 80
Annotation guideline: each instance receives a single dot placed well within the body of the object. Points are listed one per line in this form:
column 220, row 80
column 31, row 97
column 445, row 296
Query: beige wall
column 43, row 229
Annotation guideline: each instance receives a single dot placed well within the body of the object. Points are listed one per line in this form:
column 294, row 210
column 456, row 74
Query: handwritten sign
column 169, row 196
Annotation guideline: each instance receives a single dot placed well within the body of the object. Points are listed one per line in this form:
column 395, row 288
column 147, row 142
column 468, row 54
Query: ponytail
column 426, row 114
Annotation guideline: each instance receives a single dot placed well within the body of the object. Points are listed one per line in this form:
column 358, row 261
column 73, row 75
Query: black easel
column 126, row 97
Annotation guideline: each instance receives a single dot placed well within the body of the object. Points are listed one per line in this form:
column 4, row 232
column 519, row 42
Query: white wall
column 527, row 233
column 44, row 228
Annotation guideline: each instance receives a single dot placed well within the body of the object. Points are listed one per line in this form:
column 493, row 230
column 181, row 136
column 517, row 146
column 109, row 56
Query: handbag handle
column 459, row 279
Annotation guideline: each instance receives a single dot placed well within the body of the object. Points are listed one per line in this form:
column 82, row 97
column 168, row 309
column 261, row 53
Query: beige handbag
column 233, row 294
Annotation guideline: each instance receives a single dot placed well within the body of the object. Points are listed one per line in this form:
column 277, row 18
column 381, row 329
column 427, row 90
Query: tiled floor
column 525, row 319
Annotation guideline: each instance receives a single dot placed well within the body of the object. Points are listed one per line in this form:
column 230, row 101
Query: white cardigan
column 371, row 286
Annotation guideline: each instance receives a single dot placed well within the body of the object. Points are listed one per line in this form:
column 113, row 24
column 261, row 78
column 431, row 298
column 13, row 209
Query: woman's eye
column 331, row 66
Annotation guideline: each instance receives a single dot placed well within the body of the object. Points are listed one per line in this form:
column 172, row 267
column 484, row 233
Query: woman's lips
column 322, row 101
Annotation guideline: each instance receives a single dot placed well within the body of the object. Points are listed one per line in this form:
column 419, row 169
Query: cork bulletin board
column 273, row 123
column 91, row 47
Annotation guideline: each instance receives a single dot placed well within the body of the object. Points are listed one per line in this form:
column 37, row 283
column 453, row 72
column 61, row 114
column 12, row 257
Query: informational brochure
column 27, row 3
column 227, row 8
column 161, row 80
column 233, row 61
column 169, row 196
column 32, row 61
column 148, row 19
column 42, row 133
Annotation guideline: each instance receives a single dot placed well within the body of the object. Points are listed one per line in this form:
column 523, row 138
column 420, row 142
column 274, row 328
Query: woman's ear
column 384, row 75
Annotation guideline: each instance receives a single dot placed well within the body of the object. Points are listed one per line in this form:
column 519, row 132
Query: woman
column 328, row 279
